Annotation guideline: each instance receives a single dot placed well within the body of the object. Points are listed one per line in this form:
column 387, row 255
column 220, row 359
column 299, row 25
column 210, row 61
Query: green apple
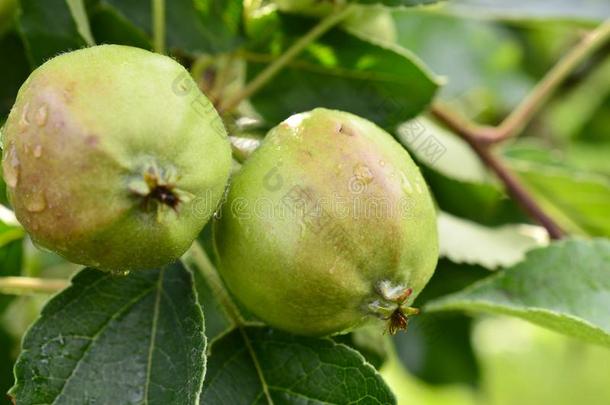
column 113, row 158
column 328, row 223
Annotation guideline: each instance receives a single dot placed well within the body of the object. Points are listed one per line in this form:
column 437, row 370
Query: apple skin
column 299, row 240
column 113, row 158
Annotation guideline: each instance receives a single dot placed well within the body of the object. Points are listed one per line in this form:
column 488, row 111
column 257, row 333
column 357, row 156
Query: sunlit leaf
column 116, row 339
column 564, row 287
column 261, row 366
column 464, row 241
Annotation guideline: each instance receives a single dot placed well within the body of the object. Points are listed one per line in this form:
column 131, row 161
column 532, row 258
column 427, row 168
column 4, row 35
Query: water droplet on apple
column 37, row 151
column 406, row 184
column 41, row 115
column 36, row 203
column 11, row 168
column 24, row 122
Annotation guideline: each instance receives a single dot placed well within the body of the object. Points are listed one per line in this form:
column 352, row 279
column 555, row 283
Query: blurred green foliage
column 490, row 55
column 520, row 363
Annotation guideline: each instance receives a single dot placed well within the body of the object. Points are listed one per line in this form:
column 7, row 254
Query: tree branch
column 29, row 285
column 481, row 137
column 513, row 186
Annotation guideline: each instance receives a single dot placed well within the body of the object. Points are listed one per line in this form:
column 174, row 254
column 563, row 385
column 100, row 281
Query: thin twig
column 29, row 285
column 522, row 115
column 517, row 120
column 221, row 79
column 481, row 137
column 513, row 185
column 208, row 272
column 485, row 135
column 158, row 15
column 296, row 48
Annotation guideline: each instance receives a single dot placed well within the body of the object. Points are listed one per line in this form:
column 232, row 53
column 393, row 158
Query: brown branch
column 481, row 137
column 513, row 185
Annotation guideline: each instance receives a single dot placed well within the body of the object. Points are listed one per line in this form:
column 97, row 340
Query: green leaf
column 437, row 348
column 217, row 320
column 10, row 238
column 567, row 115
column 3, row 195
column 591, row 10
column 576, row 156
column 464, row 241
column 396, row 3
column 442, row 150
column 585, row 156
column 580, row 202
column 371, row 341
column 483, row 203
column 596, row 130
column 194, row 26
column 261, row 366
column 116, row 339
column 384, row 83
column 10, row 230
column 8, row 9
column 6, row 361
column 48, row 28
column 11, row 250
column 219, row 307
column 481, row 60
column 77, row 8
column 11, row 257
column 12, row 74
column 449, row 277
column 109, row 26
column 212, row 26
column 564, row 287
